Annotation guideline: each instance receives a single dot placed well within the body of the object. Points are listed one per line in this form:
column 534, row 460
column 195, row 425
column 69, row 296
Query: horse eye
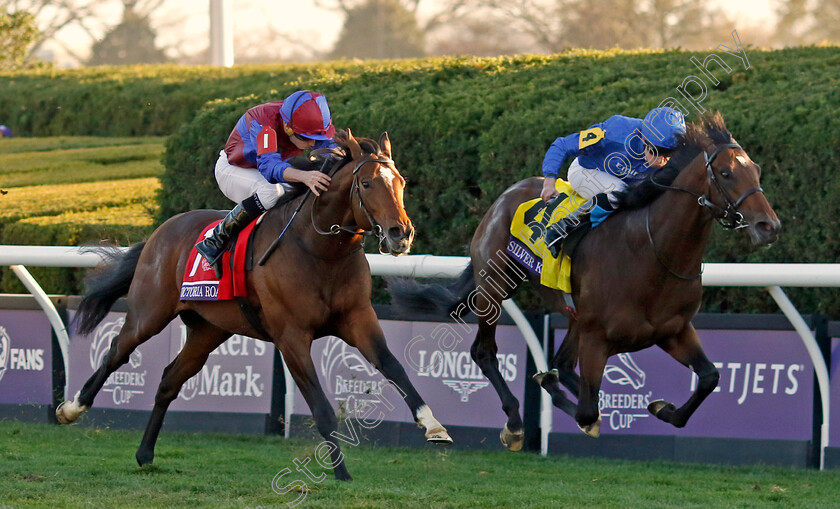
column 365, row 184
column 725, row 174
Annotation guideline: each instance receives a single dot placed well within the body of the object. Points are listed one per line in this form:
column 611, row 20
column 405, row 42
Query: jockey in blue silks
column 609, row 156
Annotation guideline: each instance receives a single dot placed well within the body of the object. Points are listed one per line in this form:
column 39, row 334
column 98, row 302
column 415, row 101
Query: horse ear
column 385, row 145
column 353, row 145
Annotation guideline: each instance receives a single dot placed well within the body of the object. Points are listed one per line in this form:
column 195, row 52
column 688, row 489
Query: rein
column 729, row 217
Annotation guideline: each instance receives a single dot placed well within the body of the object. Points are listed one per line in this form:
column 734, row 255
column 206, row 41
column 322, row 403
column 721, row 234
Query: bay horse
column 317, row 283
column 635, row 278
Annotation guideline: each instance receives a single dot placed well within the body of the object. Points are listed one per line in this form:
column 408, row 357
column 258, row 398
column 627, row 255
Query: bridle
column 376, row 228
column 729, row 217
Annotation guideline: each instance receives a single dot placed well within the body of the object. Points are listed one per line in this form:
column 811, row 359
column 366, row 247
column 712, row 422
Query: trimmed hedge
column 464, row 129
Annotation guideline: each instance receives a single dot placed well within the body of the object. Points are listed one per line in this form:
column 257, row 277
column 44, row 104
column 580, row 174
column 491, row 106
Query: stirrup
column 214, row 259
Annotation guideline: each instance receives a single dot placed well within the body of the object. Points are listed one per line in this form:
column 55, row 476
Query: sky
column 303, row 20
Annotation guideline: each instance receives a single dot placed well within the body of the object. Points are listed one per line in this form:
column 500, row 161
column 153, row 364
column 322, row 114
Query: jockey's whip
column 276, row 242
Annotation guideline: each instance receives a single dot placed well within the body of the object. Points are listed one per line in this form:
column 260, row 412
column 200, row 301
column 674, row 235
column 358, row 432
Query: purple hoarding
column 236, row 377
column 25, row 358
column 765, row 390
column 436, row 357
column 834, row 394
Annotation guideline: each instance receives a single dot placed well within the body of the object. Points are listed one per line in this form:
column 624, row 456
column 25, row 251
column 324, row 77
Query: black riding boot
column 213, row 247
column 598, row 207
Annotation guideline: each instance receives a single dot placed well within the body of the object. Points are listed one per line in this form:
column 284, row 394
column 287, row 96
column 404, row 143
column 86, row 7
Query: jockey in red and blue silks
column 609, row 156
column 253, row 169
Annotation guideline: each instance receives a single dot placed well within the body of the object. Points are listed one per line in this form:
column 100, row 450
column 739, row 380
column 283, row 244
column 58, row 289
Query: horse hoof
column 513, row 440
column 656, row 408
column 593, row 430
column 542, row 376
column 438, row 436
column 144, row 458
column 68, row 411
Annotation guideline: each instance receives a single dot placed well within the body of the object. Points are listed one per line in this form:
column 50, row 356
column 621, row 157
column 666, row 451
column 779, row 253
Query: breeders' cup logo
column 4, row 351
column 337, row 358
column 628, row 374
column 101, row 344
column 123, row 384
column 622, row 410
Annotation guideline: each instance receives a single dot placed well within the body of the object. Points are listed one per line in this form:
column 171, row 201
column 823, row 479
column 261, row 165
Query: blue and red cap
column 5, row 132
column 664, row 127
column 308, row 115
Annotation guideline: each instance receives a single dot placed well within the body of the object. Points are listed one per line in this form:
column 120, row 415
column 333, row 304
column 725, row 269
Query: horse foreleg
column 483, row 352
column 202, row 339
column 362, row 330
column 295, row 350
column 686, row 348
column 132, row 334
column 593, row 359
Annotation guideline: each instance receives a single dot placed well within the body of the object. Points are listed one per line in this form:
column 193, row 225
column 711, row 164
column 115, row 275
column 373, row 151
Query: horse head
column 376, row 192
column 733, row 188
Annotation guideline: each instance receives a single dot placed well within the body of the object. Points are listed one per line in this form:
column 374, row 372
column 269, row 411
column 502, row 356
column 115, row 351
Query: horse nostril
column 767, row 230
column 396, row 232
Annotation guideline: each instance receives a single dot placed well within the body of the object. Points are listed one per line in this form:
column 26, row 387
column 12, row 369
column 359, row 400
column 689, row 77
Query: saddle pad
column 527, row 244
column 200, row 282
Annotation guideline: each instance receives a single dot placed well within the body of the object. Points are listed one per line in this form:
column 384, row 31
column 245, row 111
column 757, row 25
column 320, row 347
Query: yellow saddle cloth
column 527, row 243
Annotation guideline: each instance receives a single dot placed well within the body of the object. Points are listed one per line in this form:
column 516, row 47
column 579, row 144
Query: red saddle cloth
column 200, row 282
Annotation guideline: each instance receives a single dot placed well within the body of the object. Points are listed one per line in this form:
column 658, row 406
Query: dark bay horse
column 635, row 278
column 317, row 283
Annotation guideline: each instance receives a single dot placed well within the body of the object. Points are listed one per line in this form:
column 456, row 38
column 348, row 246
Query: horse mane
column 709, row 130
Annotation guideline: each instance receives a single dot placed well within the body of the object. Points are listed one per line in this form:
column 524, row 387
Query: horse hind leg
column 202, row 339
column 133, row 333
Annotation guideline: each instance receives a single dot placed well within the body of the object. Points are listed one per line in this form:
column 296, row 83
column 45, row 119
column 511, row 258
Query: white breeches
column 588, row 182
column 239, row 183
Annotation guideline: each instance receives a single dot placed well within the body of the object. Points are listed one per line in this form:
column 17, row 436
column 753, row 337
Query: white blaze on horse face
column 742, row 160
column 387, row 175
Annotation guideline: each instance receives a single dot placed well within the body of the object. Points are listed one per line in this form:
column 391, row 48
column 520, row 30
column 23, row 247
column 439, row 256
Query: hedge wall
column 464, row 129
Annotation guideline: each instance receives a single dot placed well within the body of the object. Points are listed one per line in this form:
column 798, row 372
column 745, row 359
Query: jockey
column 609, row 156
column 253, row 171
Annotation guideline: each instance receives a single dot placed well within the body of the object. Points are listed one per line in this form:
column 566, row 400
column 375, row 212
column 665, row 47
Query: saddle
column 527, row 246
column 200, row 282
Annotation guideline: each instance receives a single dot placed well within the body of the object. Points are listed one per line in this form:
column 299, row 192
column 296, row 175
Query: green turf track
column 50, row 466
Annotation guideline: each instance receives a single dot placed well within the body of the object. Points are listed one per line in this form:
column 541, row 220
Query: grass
column 50, row 466
column 58, row 190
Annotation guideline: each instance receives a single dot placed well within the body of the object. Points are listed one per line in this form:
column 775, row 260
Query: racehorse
column 635, row 278
column 317, row 283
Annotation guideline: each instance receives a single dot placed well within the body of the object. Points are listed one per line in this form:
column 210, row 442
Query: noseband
column 376, row 228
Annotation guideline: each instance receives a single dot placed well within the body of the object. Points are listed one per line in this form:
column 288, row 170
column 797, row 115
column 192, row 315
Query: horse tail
column 408, row 296
column 106, row 284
